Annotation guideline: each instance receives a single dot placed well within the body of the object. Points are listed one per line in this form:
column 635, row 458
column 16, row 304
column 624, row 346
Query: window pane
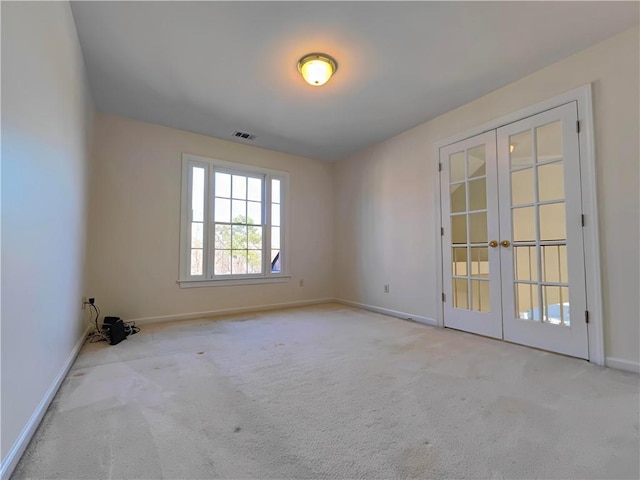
column 275, row 238
column 480, row 300
column 456, row 167
column 223, row 210
column 238, row 237
column 275, row 214
column 254, row 190
column 552, row 222
column 196, row 235
column 522, row 187
column 459, row 259
column 255, row 237
column 458, row 198
column 556, row 305
column 551, row 182
column 521, row 149
column 197, row 195
column 526, row 263
column 275, row 191
column 239, row 211
column 480, row 262
column 275, row 261
column 223, row 185
column 549, row 141
column 527, row 302
column 478, row 227
column 196, row 261
column 459, row 229
column 223, row 236
column 254, row 213
column 222, row 262
column 460, row 293
column 554, row 264
column 524, row 224
column 476, row 167
column 239, row 184
column 254, row 261
column 478, row 194
column 238, row 262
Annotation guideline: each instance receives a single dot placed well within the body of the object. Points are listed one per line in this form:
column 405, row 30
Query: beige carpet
column 332, row 392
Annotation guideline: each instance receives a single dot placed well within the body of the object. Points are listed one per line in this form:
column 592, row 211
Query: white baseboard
column 228, row 311
column 620, row 364
column 391, row 313
column 13, row 457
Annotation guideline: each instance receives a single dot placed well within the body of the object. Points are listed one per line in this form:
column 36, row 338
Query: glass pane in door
column 457, row 167
column 460, row 293
column 480, row 301
column 477, row 162
column 480, row 262
column 554, row 264
column 551, row 182
column 527, row 301
column 525, row 263
column 522, row 187
column 521, row 149
column 478, row 194
column 556, row 305
column 458, row 198
column 539, row 225
column 459, row 261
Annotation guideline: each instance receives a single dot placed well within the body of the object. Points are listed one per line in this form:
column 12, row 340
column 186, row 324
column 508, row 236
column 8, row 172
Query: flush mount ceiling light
column 317, row 68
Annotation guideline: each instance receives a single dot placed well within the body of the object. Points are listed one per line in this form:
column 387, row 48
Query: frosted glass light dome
column 317, row 68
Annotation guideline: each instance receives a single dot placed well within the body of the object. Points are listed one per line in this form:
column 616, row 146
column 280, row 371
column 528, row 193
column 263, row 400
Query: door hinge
column 577, row 126
column 444, row 297
column 441, row 230
column 440, row 166
column 586, row 316
column 582, row 219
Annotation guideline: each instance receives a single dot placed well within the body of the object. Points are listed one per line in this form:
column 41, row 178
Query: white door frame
column 583, row 96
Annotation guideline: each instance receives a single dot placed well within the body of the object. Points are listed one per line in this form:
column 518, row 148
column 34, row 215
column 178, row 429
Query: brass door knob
column 505, row 243
column 493, row 243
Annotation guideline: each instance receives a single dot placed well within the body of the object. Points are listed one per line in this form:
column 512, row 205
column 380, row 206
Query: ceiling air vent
column 244, row 135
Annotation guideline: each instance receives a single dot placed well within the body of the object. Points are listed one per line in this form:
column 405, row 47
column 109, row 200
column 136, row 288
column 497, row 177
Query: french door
column 513, row 255
column 470, row 208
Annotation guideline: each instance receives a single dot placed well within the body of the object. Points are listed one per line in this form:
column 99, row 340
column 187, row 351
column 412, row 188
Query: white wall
column 385, row 198
column 133, row 247
column 46, row 124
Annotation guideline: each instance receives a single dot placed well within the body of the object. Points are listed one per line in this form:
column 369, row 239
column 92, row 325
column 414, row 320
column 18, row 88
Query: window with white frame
column 233, row 223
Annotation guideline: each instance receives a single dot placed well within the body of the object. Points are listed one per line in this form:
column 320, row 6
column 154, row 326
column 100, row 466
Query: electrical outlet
column 302, row 282
column 84, row 302
column 386, row 288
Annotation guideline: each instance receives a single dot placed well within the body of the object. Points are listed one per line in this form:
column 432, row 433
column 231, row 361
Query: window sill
column 232, row 282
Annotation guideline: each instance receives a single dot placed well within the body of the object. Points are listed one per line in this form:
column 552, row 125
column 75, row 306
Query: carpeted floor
column 332, row 392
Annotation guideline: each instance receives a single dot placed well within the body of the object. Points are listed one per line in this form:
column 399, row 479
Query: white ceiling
column 216, row 67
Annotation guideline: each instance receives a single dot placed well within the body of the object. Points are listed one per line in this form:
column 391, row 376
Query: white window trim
column 186, row 280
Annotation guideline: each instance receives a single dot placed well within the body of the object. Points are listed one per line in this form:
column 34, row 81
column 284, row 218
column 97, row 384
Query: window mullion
column 283, row 226
column 209, row 212
column 266, row 240
column 187, row 225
